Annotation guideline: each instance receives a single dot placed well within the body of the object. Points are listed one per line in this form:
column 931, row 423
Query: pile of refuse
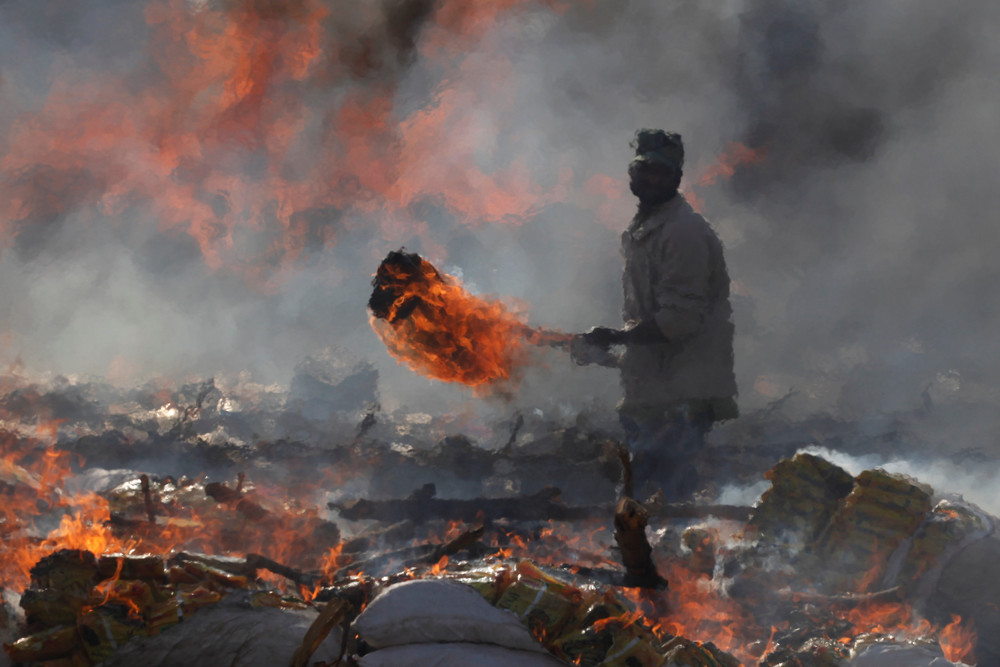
column 84, row 610
column 119, row 610
column 820, row 551
column 516, row 613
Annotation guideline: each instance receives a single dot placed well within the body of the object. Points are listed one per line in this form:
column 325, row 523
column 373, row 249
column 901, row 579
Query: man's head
column 655, row 173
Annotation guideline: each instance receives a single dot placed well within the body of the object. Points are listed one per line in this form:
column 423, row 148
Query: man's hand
column 584, row 353
column 644, row 332
column 602, row 337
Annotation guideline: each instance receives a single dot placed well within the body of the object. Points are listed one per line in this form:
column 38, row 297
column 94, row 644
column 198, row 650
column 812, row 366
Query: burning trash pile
column 522, row 615
column 83, row 609
column 117, row 566
column 873, row 551
column 827, row 570
column 117, row 609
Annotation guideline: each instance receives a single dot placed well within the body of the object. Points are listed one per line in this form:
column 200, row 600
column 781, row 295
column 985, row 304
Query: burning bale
column 427, row 320
column 84, row 610
column 118, row 609
column 874, row 549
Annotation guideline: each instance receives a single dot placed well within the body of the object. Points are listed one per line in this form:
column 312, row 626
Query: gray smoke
column 860, row 246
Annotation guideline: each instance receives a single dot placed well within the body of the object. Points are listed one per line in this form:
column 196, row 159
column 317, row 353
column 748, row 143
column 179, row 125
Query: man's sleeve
column 681, row 286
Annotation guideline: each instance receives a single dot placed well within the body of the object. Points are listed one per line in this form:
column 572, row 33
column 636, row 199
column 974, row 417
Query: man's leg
column 680, row 442
column 663, row 453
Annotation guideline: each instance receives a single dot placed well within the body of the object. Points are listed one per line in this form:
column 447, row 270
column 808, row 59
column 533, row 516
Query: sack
column 456, row 655
column 436, row 610
column 231, row 632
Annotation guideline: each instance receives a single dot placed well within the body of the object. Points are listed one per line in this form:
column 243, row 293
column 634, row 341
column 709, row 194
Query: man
column 677, row 364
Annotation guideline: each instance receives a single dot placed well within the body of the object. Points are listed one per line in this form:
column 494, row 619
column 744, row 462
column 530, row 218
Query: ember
column 430, row 322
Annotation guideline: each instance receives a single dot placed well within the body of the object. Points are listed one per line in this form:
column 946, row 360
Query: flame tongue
column 430, row 322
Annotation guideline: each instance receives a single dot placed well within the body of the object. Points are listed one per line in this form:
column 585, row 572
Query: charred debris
column 307, row 505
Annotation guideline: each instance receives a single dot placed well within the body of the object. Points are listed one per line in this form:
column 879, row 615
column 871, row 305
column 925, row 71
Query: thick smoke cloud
column 494, row 143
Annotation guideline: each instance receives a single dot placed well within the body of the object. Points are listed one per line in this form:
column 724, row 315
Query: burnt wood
column 423, row 505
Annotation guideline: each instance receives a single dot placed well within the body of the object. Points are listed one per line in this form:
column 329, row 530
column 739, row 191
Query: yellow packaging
column 611, row 643
column 104, row 630
column 543, row 602
column 163, row 615
column 595, row 606
column 490, row 582
column 46, row 645
column 276, row 601
column 691, row 654
column 199, row 596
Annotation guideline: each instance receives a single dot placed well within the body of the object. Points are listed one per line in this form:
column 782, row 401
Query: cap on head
column 659, row 147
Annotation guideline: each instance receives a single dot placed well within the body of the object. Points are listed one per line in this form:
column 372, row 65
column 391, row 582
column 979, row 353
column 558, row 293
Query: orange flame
column 439, row 329
column 440, row 566
column 958, row 641
column 37, row 474
column 725, row 165
column 260, row 520
column 249, row 82
column 735, row 155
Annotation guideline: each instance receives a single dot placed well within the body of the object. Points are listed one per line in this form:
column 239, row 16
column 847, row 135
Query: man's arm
column 645, row 332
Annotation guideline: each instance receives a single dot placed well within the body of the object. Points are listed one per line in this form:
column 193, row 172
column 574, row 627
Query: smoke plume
column 192, row 187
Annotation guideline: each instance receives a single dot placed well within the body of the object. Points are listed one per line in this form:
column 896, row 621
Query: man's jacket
column 675, row 274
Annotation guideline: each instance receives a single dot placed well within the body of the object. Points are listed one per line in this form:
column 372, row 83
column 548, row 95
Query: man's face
column 652, row 182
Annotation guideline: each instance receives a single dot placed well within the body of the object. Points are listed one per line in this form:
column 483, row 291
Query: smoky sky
column 175, row 239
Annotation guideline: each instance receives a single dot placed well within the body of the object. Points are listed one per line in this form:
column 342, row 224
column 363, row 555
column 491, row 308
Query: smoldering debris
column 764, row 593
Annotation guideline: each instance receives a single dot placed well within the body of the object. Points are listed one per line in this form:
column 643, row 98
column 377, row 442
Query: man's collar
column 643, row 224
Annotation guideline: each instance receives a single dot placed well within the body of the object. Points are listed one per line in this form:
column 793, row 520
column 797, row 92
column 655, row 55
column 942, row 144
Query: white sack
column 456, row 655
column 438, row 610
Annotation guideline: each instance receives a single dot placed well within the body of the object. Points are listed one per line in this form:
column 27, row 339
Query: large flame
column 723, row 167
column 246, row 122
column 268, row 520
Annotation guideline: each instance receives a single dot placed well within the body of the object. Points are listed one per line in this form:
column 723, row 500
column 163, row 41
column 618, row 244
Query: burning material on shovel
column 428, row 321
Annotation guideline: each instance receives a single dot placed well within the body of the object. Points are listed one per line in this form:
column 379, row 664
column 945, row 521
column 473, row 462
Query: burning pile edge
column 66, row 584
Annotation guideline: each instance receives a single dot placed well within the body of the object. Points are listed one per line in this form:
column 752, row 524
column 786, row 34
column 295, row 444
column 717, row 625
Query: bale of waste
column 887, row 532
column 877, row 516
column 805, row 493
